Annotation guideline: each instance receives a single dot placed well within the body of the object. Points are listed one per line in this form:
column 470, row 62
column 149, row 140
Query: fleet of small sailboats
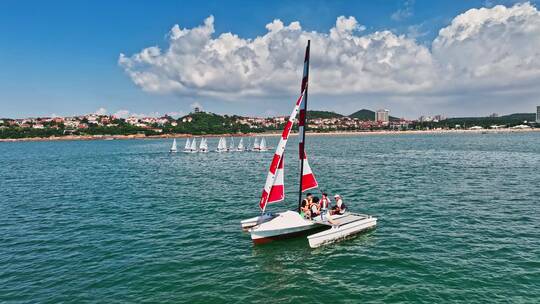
column 191, row 145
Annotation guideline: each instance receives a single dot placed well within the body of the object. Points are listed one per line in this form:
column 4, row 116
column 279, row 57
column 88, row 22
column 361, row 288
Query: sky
column 413, row 57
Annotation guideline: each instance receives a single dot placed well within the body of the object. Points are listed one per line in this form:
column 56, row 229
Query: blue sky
column 62, row 57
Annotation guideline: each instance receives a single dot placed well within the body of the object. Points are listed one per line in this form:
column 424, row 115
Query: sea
column 124, row 221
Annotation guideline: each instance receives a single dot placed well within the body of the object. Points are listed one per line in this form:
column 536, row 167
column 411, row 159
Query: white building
column 382, row 115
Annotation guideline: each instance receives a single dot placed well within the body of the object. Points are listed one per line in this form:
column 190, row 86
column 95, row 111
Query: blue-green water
column 124, row 221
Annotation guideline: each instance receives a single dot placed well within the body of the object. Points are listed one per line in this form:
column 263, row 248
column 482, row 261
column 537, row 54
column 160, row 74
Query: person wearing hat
column 340, row 207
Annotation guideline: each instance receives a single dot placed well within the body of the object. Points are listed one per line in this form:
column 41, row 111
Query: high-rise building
column 382, row 115
column 538, row 114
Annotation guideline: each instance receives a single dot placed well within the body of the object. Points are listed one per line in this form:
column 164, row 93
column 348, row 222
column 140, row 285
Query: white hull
column 254, row 221
column 285, row 224
column 342, row 231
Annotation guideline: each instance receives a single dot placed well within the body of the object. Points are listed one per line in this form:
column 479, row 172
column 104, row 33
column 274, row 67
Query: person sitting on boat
column 340, row 207
column 304, row 206
column 324, row 203
column 314, row 207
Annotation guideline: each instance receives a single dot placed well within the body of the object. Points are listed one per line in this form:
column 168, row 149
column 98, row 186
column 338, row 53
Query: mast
column 302, row 121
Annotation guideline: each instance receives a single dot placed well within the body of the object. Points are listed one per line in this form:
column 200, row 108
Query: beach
column 334, row 133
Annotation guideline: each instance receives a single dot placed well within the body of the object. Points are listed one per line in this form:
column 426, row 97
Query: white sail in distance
column 240, row 145
column 193, row 147
column 173, row 148
column 256, row 144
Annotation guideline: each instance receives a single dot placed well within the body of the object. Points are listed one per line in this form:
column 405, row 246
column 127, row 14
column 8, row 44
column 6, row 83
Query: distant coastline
column 268, row 134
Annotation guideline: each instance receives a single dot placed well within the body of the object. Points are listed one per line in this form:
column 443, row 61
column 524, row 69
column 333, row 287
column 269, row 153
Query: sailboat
column 203, row 147
column 231, row 146
column 173, row 147
column 271, row 226
column 262, row 145
column 240, row 147
column 256, row 146
column 193, row 147
column 187, row 147
column 222, row 145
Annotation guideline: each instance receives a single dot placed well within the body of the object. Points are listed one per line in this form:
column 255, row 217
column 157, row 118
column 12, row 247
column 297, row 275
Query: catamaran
column 187, row 147
column 173, row 148
column 271, row 226
column 203, row 147
column 240, row 147
column 222, row 145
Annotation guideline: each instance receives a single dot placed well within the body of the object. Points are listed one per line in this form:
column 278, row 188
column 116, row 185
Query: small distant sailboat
column 193, row 147
column 222, row 145
column 203, row 147
column 231, row 146
column 187, row 147
column 262, row 145
column 173, row 148
column 240, row 147
column 256, row 146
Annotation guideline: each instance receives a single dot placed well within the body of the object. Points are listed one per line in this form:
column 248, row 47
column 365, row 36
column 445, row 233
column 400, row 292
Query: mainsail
column 173, row 148
column 187, row 147
column 262, row 146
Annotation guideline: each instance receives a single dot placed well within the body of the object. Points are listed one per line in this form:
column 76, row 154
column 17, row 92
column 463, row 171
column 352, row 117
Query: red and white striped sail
column 277, row 192
column 272, row 191
column 308, row 178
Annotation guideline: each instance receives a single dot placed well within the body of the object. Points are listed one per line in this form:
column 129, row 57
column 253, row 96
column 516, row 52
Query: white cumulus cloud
column 480, row 52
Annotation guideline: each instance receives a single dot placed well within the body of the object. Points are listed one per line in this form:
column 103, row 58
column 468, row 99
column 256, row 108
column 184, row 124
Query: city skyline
column 413, row 57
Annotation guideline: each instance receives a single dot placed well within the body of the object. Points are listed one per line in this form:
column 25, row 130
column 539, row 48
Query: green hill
column 322, row 114
column 520, row 116
column 508, row 120
column 207, row 123
column 365, row 114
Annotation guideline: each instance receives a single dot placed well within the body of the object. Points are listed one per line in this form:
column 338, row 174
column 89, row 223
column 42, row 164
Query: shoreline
column 267, row 134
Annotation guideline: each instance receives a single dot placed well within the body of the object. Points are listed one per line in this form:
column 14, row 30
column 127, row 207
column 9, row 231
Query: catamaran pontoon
column 271, row 226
